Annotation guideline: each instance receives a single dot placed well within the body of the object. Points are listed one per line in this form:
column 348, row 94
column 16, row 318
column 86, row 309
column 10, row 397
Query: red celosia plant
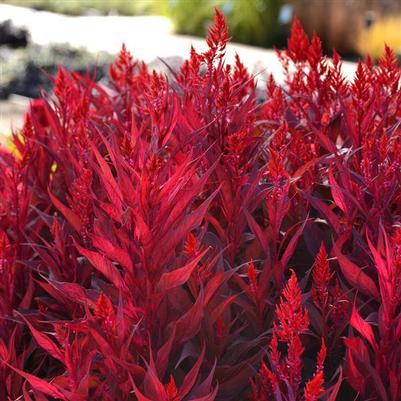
column 286, row 377
column 171, row 239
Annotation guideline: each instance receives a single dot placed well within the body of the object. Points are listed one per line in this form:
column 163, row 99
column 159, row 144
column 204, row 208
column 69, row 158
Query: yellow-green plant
column 251, row 21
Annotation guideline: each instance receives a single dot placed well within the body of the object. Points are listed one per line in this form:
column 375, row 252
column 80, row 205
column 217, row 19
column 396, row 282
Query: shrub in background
column 174, row 240
column 255, row 22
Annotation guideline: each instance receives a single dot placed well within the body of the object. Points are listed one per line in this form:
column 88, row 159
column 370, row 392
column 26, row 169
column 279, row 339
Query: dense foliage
column 177, row 240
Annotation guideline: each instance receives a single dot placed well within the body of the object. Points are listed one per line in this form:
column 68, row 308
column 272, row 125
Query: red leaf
column 290, row 248
column 355, row 275
column 153, row 386
column 175, row 235
column 107, row 177
column 163, row 354
column 192, row 375
column 27, row 299
column 216, row 281
column 69, row 215
column 337, row 193
column 113, row 252
column 103, row 265
column 140, row 396
column 178, row 277
column 357, row 361
column 336, row 388
column 27, row 397
column 331, row 217
column 254, row 226
column 381, row 265
column 40, row 384
column 74, row 292
column 180, row 198
column 364, row 328
column 43, row 341
column 209, row 397
column 189, row 324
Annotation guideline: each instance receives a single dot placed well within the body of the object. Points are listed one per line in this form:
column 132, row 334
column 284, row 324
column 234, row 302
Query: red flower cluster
column 179, row 240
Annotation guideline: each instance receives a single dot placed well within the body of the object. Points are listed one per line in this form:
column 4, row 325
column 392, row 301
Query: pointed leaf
column 363, row 327
column 355, row 275
column 192, row 375
column 69, row 215
column 189, row 324
column 337, row 192
column 43, row 341
column 180, row 276
column 40, row 384
column 103, row 265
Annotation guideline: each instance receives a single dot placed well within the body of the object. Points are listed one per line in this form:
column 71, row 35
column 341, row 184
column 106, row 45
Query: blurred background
column 353, row 27
column 38, row 35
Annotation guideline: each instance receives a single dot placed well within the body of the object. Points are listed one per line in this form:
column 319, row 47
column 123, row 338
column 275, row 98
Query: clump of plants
column 171, row 239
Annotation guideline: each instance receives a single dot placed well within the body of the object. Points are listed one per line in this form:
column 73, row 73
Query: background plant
column 255, row 22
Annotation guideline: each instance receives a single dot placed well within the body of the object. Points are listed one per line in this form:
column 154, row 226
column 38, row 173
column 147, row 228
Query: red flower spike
column 298, row 43
column 314, row 388
column 104, row 311
column 122, row 71
column 253, row 284
column 172, row 390
column 321, row 277
column 287, row 370
column 291, row 316
column 191, row 246
column 218, row 33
